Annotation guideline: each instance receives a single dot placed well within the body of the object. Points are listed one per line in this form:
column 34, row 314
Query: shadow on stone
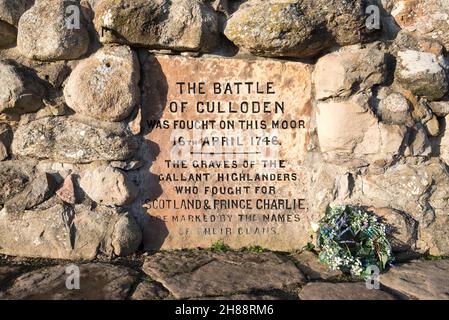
column 154, row 89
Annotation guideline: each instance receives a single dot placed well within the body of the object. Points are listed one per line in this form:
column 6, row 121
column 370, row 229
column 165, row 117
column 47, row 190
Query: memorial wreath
column 353, row 240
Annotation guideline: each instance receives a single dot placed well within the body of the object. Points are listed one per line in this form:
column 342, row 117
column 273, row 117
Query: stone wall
column 74, row 149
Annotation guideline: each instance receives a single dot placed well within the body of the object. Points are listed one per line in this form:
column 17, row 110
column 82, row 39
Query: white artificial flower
column 315, row 226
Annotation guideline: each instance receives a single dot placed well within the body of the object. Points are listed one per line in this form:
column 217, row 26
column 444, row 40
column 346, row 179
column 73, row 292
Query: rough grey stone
column 182, row 25
column 150, row 291
column 43, row 33
column 14, row 176
column 20, row 90
column 5, row 140
column 342, row 291
column 8, row 34
column 440, row 108
column 424, row 280
column 309, row 264
column 206, row 274
column 66, row 140
column 105, row 86
column 127, row 166
column 422, row 74
column 10, row 13
column 108, row 186
column 426, row 18
column 40, row 188
column 7, row 274
column 64, row 232
column 419, row 190
column 351, row 135
column 395, row 109
column 12, row 10
column 349, row 70
column 402, row 230
column 433, row 127
column 296, row 28
column 419, row 143
column 412, row 41
column 248, row 296
column 98, row 281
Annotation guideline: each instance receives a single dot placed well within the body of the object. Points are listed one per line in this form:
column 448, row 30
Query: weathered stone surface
column 249, row 296
column 350, row 133
column 395, row 109
column 55, row 72
column 412, row 41
column 330, row 185
column 126, row 237
column 433, row 127
column 419, row 143
column 20, row 90
column 311, row 267
column 37, row 191
column 14, row 176
column 183, row 25
column 402, row 230
column 98, row 281
column 349, row 70
column 203, row 273
column 342, row 291
column 296, row 28
column 54, row 108
column 62, row 232
column 150, row 291
column 105, row 86
column 440, row 108
column 67, row 191
column 43, row 33
column 424, row 17
column 421, row 111
column 444, row 144
column 279, row 223
column 389, row 27
column 135, row 125
column 127, row 166
column 92, row 3
column 406, row 179
column 418, row 189
column 108, row 186
column 5, row 140
column 422, row 74
column 8, row 34
column 60, row 170
column 435, row 237
column 10, row 12
column 7, row 274
column 66, row 140
column 424, row 280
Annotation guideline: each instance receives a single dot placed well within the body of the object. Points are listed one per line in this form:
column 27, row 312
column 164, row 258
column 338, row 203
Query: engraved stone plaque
column 229, row 138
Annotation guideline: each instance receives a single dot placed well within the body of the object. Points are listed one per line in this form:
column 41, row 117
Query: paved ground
column 203, row 274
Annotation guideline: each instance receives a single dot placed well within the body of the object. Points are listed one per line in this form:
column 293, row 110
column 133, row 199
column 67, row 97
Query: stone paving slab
column 246, row 296
column 207, row 275
column 424, row 280
column 342, row 291
column 98, row 281
column 193, row 274
column 7, row 274
column 150, row 291
column 309, row 264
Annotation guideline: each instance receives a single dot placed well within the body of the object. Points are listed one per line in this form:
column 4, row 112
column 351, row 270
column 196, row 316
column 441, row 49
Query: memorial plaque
column 229, row 138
